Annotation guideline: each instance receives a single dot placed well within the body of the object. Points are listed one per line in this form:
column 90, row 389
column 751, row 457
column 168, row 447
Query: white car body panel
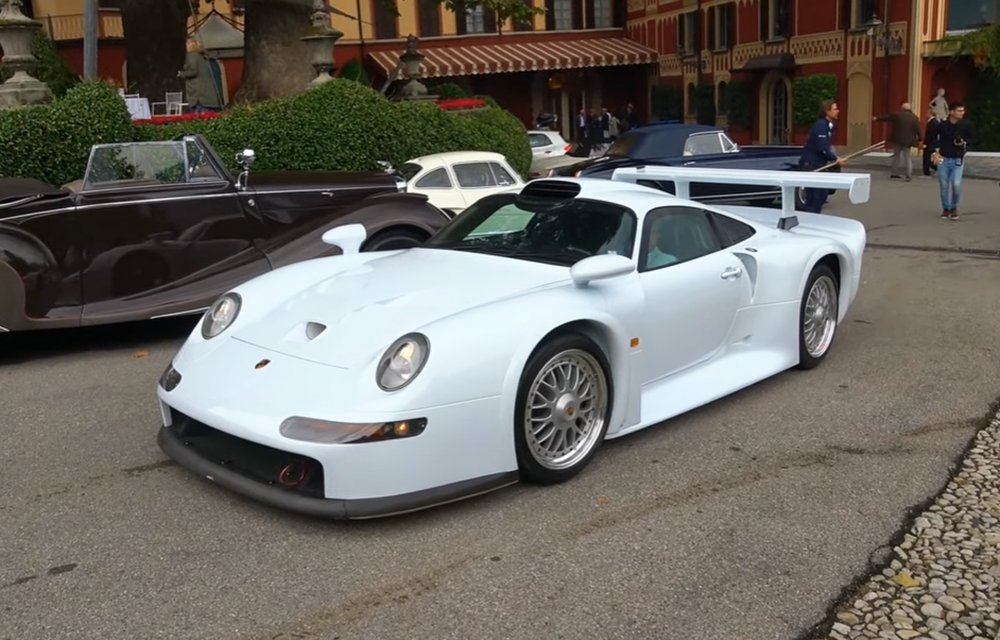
column 483, row 316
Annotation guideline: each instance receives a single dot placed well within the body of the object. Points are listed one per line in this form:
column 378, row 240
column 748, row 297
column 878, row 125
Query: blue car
column 683, row 145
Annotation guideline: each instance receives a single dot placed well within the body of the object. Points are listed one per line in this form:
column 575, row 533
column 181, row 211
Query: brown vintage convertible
column 160, row 229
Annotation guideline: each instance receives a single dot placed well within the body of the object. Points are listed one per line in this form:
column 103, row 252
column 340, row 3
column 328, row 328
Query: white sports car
column 531, row 328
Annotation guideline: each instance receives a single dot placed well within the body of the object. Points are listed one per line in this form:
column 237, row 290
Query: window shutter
column 460, row 17
column 550, row 15
column 765, row 16
column 578, row 14
column 845, row 14
column 730, row 26
column 489, row 20
column 591, row 20
column 713, row 13
column 620, row 15
column 680, row 33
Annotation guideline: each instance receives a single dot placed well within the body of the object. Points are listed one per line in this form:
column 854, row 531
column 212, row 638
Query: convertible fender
column 29, row 278
column 397, row 210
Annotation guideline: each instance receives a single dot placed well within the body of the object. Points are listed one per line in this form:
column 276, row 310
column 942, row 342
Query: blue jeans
column 950, row 181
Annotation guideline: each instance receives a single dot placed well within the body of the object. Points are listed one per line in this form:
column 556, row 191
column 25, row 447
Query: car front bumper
column 221, row 419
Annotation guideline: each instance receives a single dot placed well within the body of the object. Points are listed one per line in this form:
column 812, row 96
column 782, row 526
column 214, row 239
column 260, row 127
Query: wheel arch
column 839, row 262
column 609, row 336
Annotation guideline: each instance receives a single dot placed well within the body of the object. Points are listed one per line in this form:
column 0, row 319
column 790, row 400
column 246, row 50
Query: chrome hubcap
column 820, row 319
column 565, row 411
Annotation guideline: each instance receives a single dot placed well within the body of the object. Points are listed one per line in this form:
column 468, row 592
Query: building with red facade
column 881, row 52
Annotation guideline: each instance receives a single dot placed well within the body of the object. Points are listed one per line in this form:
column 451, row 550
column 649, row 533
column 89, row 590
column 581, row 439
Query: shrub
column 704, row 103
column 50, row 67
column 354, row 70
column 52, row 142
column 807, row 93
column 739, row 107
column 668, row 102
column 446, row 90
column 343, row 125
column 984, row 111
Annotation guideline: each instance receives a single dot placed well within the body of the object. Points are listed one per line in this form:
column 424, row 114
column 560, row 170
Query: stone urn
column 320, row 38
column 17, row 32
column 413, row 89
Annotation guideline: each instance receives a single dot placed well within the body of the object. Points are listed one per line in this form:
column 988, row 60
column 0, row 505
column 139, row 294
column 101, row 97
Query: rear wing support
column 857, row 185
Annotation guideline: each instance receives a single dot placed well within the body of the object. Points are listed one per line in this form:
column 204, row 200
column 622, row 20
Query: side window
column 474, row 174
column 731, row 231
column 676, row 234
column 437, row 179
column 502, row 176
column 538, row 140
column 700, row 144
column 200, row 168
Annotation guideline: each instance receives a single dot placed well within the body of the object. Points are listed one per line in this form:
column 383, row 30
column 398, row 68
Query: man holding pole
column 818, row 152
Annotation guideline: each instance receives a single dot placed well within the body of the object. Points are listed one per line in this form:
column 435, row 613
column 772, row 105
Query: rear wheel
column 817, row 316
column 562, row 410
column 394, row 239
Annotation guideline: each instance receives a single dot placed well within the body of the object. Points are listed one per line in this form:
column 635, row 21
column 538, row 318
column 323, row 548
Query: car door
column 693, row 290
column 541, row 145
column 168, row 236
column 439, row 188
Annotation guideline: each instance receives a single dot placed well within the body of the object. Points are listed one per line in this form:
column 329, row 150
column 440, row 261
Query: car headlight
column 220, row 315
column 402, row 362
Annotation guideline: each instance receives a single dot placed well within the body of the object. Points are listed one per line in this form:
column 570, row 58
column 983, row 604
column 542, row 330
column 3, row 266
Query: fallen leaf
column 904, row 579
column 603, row 500
column 140, row 354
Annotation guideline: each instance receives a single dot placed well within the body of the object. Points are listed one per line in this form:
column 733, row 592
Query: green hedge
column 668, row 102
column 704, row 103
column 739, row 107
column 343, row 125
column 52, row 142
column 983, row 106
column 807, row 94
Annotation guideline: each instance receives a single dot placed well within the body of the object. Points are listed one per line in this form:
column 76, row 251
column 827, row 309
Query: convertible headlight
column 329, row 432
column 220, row 315
column 402, row 362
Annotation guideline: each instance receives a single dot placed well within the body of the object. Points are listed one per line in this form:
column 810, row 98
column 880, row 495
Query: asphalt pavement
column 748, row 518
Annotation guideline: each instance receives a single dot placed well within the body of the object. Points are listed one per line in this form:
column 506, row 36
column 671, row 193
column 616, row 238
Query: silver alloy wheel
column 820, row 316
column 565, row 409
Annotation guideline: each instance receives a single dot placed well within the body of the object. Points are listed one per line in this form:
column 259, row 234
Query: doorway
column 775, row 108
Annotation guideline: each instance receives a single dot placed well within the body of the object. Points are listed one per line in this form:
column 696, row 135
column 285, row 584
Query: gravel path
column 943, row 582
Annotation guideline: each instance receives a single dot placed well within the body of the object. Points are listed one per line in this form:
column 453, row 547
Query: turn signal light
column 329, row 432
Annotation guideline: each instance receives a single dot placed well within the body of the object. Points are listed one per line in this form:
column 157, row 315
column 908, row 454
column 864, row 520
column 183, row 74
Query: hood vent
column 313, row 329
column 557, row 190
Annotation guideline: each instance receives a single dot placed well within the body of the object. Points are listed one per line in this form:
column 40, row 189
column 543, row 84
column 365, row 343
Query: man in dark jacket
column 930, row 133
column 904, row 133
column 818, row 152
column 950, row 143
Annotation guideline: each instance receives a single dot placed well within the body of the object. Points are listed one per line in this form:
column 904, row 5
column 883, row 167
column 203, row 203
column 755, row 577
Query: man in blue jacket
column 818, row 152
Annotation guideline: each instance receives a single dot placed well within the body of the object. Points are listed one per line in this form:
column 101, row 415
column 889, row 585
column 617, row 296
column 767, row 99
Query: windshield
column 562, row 232
column 409, row 169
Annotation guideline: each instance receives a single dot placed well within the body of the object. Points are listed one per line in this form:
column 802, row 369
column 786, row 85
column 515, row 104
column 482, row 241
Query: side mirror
column 600, row 267
column 348, row 237
column 245, row 158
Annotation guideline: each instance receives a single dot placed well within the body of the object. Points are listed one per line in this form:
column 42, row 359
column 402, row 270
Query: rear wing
column 857, row 185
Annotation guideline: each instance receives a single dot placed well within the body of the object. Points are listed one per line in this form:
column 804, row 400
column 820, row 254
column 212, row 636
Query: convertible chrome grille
column 299, row 474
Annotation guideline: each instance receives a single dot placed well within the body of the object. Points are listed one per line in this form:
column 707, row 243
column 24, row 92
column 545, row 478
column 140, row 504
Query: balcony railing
column 70, row 27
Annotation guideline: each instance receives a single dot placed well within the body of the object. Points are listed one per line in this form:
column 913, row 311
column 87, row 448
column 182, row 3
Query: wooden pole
column 90, row 33
column 875, row 146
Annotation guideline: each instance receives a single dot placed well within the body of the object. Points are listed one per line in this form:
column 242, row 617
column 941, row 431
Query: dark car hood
column 298, row 180
column 598, row 166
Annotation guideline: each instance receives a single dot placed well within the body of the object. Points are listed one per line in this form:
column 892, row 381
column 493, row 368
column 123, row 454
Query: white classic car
column 529, row 330
column 455, row 180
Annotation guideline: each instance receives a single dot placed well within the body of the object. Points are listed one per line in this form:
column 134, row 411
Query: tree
column 982, row 44
column 155, row 31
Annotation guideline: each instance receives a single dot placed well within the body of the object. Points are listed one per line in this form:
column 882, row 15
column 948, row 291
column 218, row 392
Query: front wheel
column 562, row 410
column 817, row 316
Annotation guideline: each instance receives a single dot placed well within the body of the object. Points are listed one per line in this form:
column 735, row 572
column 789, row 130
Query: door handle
column 328, row 194
column 732, row 273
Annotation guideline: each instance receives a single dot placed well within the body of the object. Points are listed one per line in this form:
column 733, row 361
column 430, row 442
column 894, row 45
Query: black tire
column 394, row 239
column 571, row 349
column 811, row 356
column 800, row 199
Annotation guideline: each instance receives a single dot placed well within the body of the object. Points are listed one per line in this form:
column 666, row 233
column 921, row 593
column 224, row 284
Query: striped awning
column 469, row 60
